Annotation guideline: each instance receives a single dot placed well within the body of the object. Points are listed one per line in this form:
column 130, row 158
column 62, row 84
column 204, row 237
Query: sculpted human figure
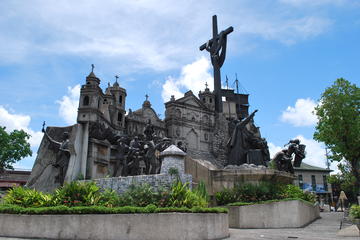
column 62, row 155
column 283, row 161
column 134, row 156
column 149, row 131
column 238, row 144
column 298, row 149
column 121, row 167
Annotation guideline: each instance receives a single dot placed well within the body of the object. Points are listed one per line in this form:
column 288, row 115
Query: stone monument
column 108, row 141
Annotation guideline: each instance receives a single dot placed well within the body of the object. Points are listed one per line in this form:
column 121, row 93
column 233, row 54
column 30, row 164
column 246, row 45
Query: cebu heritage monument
column 214, row 130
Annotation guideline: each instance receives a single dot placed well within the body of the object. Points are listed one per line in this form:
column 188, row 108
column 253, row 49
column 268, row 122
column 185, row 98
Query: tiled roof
column 308, row 167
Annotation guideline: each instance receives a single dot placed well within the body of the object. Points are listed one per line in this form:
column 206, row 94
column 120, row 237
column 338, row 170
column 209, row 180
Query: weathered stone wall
column 121, row 184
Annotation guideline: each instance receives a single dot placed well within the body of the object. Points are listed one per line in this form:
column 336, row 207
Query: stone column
column 172, row 157
column 358, row 200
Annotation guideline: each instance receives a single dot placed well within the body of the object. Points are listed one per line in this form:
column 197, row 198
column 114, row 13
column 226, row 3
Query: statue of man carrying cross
column 217, row 49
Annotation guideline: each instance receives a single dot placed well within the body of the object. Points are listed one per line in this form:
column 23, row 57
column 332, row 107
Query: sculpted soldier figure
column 62, row 154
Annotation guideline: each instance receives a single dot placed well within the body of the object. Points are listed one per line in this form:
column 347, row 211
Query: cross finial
column 116, row 76
column 92, row 67
column 146, row 96
column 206, row 85
column 227, row 82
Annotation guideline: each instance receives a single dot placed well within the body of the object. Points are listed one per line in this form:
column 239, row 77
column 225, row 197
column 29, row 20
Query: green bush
column 292, row 191
column 200, row 189
column 262, row 191
column 88, row 194
column 27, row 197
column 182, row 196
column 77, row 194
column 15, row 209
column 139, row 195
column 355, row 211
column 225, row 196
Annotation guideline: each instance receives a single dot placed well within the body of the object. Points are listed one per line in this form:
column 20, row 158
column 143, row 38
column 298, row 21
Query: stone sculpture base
column 217, row 179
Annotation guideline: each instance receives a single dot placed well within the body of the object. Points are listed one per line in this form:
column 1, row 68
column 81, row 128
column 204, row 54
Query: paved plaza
column 324, row 228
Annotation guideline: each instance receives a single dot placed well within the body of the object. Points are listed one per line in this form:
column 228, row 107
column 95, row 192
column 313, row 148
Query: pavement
column 322, row 229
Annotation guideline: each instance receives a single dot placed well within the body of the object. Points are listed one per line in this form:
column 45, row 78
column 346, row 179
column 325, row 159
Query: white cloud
column 315, row 152
column 18, row 121
column 159, row 35
column 193, row 77
column 273, row 149
column 69, row 104
column 301, row 114
column 311, row 3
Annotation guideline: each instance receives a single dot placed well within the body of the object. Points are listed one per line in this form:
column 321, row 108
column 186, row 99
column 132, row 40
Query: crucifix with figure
column 217, row 49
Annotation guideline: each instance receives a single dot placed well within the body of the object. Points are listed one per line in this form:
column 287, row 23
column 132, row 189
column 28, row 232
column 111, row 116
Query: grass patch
column 63, row 210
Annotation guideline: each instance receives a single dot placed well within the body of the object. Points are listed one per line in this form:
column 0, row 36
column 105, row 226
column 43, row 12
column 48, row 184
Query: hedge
column 57, row 210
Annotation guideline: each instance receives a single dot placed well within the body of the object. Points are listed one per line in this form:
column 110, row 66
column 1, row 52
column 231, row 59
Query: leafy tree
column 13, row 147
column 338, row 127
column 344, row 181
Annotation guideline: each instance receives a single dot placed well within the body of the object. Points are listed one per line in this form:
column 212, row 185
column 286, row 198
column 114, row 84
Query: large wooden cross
column 217, row 49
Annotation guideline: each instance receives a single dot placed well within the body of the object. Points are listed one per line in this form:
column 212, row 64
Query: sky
column 284, row 53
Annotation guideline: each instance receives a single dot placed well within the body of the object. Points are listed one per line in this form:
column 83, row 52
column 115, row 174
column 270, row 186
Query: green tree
column 344, row 181
column 338, row 124
column 13, row 147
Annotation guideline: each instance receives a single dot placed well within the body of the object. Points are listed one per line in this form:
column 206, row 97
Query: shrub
column 355, row 211
column 292, row 191
column 201, row 191
column 27, row 197
column 109, row 198
column 225, row 196
column 15, row 209
column 262, row 191
column 182, row 196
column 139, row 195
column 77, row 194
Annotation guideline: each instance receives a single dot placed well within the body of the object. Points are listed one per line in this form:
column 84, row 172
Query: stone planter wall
column 284, row 214
column 117, row 226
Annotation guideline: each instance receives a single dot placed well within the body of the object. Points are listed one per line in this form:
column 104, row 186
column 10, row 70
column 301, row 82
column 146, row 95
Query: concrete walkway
column 324, row 228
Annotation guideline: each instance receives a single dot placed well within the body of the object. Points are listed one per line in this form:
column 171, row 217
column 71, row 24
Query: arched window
column 86, row 101
column 119, row 117
column 210, row 100
column 204, row 100
column 120, row 99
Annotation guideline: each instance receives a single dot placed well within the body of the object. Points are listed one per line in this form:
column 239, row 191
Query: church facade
column 102, row 120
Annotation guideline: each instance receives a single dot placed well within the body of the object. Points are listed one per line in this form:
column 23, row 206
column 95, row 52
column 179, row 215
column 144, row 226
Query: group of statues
column 246, row 146
column 132, row 152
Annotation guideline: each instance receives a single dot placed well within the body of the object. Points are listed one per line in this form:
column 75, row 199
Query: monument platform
column 217, row 179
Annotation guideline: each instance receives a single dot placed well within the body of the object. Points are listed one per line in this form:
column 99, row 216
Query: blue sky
column 285, row 53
